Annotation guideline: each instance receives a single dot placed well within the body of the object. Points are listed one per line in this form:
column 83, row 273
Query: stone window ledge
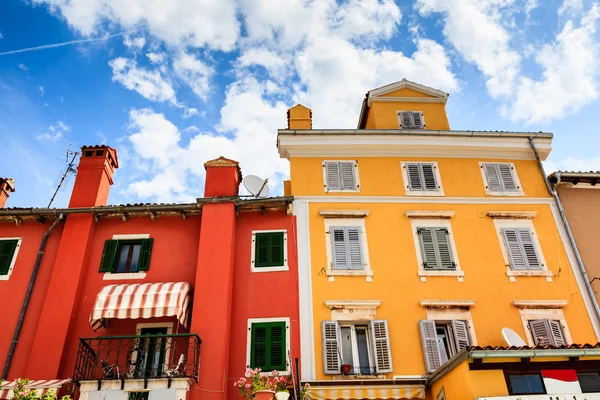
column 460, row 275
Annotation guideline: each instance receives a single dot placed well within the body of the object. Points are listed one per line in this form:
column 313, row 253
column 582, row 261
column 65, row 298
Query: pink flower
column 307, row 384
column 235, row 384
column 247, row 386
column 275, row 372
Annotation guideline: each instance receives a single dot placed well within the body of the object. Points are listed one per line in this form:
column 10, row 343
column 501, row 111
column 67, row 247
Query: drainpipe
column 36, row 267
column 561, row 211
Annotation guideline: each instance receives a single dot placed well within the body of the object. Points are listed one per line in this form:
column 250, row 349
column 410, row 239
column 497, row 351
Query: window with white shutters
column 521, row 249
column 340, row 175
column 435, row 248
column 411, row 120
column 547, row 332
column 421, row 177
column 441, row 340
column 346, row 247
column 500, row 178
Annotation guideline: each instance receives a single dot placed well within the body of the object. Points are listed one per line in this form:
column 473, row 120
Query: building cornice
column 406, row 100
column 539, row 304
column 429, row 214
column 344, row 213
column 512, row 214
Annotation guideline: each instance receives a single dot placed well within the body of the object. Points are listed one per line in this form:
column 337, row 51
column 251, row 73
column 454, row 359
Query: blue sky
column 171, row 84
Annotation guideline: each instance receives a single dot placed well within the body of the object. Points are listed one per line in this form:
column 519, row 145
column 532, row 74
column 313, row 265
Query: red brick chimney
column 96, row 168
column 223, row 177
column 7, row 186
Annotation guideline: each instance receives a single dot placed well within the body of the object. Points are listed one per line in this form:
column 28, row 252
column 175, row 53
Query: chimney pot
column 223, row 177
column 95, row 172
column 299, row 117
column 7, row 186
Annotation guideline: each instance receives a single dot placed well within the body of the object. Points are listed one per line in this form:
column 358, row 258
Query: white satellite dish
column 512, row 338
column 256, row 186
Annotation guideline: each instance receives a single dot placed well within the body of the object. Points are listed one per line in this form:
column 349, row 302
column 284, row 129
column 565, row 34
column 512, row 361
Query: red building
column 168, row 301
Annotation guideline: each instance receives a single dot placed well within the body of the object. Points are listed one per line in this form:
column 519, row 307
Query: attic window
column 411, row 120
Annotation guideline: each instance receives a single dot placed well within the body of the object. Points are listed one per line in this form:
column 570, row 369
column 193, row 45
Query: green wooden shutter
column 7, row 251
column 276, row 251
column 109, row 256
column 269, row 249
column 258, row 346
column 145, row 252
column 277, row 346
column 268, row 347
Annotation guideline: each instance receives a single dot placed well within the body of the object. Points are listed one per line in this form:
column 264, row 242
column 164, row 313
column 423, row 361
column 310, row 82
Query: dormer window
column 411, row 120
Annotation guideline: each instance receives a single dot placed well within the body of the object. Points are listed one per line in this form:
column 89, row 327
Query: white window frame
column 453, row 313
column 352, row 325
column 332, row 273
column 439, row 192
column 515, row 175
column 168, row 345
column 499, row 224
column 14, row 259
column 284, row 267
column 287, row 341
column 532, row 314
column 435, row 223
column 356, row 178
column 109, row 276
column 423, row 127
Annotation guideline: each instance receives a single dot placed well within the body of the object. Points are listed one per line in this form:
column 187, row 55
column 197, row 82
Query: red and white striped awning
column 142, row 300
column 40, row 386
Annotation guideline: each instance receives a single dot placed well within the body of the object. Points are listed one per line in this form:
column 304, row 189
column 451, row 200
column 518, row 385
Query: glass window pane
column 526, row 384
column 363, row 349
column 442, row 339
column 590, row 383
column 123, row 253
column 346, row 340
column 135, row 258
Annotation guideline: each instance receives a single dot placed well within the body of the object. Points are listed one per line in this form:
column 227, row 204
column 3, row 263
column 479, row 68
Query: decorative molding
column 406, row 84
column 406, row 100
column 428, row 214
column 221, row 162
column 447, row 303
column 344, row 213
column 371, row 304
column 430, row 200
column 512, row 214
column 352, row 310
column 539, row 304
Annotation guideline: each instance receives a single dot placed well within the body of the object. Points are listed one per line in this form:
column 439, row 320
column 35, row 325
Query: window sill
column 513, row 274
column 342, row 191
column 108, row 276
column 356, row 377
column 460, row 275
column 5, row 277
column 331, row 273
column 436, row 193
column 505, row 194
column 269, row 269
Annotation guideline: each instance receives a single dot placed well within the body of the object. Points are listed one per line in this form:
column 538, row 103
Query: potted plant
column 346, row 369
column 280, row 385
column 255, row 385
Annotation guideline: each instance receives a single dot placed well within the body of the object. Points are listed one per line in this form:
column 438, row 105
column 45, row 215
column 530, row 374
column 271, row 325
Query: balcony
column 138, row 357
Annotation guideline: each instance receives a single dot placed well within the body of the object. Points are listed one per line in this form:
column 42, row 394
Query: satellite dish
column 256, row 186
column 512, row 338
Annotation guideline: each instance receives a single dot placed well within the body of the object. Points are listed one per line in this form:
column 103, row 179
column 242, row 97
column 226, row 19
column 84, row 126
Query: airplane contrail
column 51, row 46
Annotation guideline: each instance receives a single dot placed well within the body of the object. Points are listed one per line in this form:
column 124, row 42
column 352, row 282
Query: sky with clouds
column 174, row 83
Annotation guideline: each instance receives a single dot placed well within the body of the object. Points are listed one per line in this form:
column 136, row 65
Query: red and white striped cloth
column 142, row 300
column 40, row 386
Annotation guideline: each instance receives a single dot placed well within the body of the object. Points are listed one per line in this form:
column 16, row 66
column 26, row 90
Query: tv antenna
column 256, row 186
column 70, row 169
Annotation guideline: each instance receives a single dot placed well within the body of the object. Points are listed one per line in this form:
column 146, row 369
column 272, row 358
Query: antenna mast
column 69, row 169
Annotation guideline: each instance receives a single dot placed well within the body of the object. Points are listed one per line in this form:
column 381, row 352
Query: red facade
column 209, row 245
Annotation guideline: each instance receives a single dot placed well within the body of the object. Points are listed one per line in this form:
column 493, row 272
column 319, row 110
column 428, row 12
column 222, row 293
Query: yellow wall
column 382, row 176
column 462, row 384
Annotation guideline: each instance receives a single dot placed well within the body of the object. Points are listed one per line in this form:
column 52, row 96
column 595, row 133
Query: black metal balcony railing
column 138, row 357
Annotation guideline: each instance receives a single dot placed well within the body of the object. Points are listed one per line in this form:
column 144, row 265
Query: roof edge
column 412, row 132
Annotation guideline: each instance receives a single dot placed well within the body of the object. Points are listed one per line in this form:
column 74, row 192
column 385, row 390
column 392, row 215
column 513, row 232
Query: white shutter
column 513, row 248
column 414, row 177
column 381, row 346
column 428, row 250
column 331, row 347
column 528, row 249
column 338, row 247
column 493, row 177
column 347, row 176
column 428, row 174
column 417, row 119
column 353, row 248
column 444, row 252
column 460, row 331
column 557, row 333
column 332, row 174
column 405, row 120
column 541, row 332
column 506, row 175
column 431, row 351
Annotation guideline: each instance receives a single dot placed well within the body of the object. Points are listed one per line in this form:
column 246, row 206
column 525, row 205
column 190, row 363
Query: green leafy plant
column 253, row 381
column 304, row 391
column 20, row 392
column 279, row 383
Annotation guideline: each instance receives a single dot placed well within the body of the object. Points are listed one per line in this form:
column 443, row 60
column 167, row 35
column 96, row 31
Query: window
column 501, row 179
column 268, row 345
column 151, row 352
column 547, row 332
column 526, row 384
column 340, row 176
column 346, row 246
column 269, row 251
column 9, row 248
column 589, row 382
column 521, row 249
column 441, row 340
column 411, row 120
column 126, row 256
column 421, row 179
column 137, row 396
column 435, row 248
column 363, row 346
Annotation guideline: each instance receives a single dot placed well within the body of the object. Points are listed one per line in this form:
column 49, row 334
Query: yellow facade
column 381, row 203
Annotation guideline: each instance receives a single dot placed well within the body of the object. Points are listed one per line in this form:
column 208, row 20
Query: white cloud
column 194, row 73
column 154, row 137
column 41, row 89
column 1, row 36
column 191, row 129
column 23, row 67
column 57, row 130
column 570, row 7
column 573, row 164
column 190, row 112
column 156, row 58
column 276, row 64
column 150, row 84
column 134, row 44
column 197, row 23
column 51, row 137
column 530, row 5
column 569, row 74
